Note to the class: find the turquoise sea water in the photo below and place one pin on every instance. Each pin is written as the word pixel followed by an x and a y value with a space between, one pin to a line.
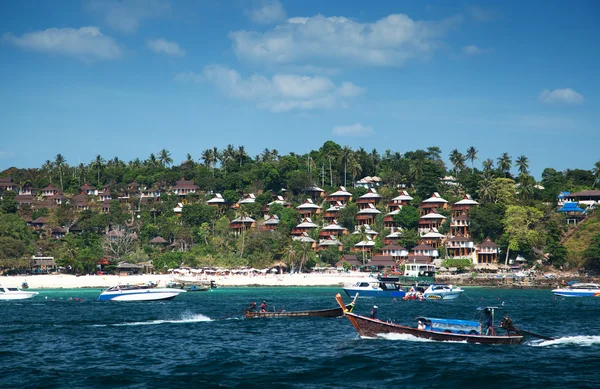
pixel 192 341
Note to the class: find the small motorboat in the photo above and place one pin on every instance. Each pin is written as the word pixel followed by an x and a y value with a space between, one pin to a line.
pixel 449 330
pixel 15 294
pixel 138 293
pixel 376 287
pixel 196 288
pixel 579 289
pixel 442 292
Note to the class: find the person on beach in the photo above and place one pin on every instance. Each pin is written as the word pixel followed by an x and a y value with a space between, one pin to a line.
pixel 373 312
pixel 263 306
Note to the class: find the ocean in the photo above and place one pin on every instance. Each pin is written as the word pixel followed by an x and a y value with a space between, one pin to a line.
pixel 200 339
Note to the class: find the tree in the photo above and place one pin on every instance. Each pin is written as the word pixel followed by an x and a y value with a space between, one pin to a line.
pixel 596 172
pixel 488 165
pixel 523 163
pixel 472 155
pixel 591 255
pixel 502 190
pixel 520 225
pixel 345 156
pixel 119 245
pixel 59 162
pixel 407 217
pixel 486 221
pixel 98 164
pixel 164 156
pixel 458 160
pixel 8 204
pixel 504 164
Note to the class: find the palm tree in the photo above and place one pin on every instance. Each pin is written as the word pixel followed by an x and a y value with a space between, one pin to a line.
pixel 59 162
pixel 345 156
pixel 596 172
pixel 434 153
pixel 523 163
pixel 164 156
pixel 488 165
pixel 207 157
pixel 472 155
pixel 526 186
pixel 152 161
pixel 241 154
pixel 98 163
pixel 416 169
pixel 485 190
pixel 504 163
pixel 215 157
pixel 362 233
pixel 458 160
pixel 47 167
pixel 355 168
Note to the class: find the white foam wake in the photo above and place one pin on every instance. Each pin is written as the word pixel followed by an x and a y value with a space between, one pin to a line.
pixel 404 337
pixel 584 341
pixel 185 318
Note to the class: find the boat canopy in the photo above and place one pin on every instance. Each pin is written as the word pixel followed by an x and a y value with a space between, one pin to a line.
pixel 449 322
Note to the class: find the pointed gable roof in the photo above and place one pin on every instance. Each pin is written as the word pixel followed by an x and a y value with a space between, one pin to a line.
pixel 403 196
pixel 371 194
pixel 341 192
pixel 433 215
pixel 217 199
pixel 185 184
pixel 369 210
pixel 435 198
pixel 306 223
pixel 487 243
pixel 462 216
pixel 308 204
pixel 459 238
pixel 466 200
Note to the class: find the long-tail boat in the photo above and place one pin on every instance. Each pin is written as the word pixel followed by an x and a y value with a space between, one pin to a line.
pixel 333 312
pixel 441 329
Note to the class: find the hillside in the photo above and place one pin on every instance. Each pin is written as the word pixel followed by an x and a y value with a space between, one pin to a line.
pixel 582 238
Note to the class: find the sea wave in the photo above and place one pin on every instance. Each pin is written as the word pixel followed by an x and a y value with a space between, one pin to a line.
pixel 585 341
pixel 185 318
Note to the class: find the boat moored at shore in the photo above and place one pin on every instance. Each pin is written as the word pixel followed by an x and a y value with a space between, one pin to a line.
pixel 579 289
pixel 15 294
pixel 442 292
pixel 376 287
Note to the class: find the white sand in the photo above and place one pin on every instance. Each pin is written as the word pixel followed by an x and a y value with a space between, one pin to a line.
pixel 96 281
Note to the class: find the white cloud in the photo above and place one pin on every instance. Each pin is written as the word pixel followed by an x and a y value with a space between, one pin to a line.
pixel 126 15
pixel 85 43
pixel 6 154
pixel 267 12
pixel 566 96
pixel 473 50
pixel 282 92
pixel 389 41
pixel 356 129
pixel 163 46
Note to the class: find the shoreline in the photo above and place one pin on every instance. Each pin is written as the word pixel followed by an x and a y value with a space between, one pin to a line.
pixel 64 281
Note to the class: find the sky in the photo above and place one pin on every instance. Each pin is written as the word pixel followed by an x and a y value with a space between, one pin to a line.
pixel 128 78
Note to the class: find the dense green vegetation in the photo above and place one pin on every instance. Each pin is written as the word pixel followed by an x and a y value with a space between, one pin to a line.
pixel 514 211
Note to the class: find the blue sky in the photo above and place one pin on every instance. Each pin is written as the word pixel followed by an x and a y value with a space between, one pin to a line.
pixel 128 78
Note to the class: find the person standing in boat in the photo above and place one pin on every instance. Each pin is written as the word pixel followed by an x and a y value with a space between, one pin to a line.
pixel 373 312
pixel 263 306
pixel 252 307
pixel 489 322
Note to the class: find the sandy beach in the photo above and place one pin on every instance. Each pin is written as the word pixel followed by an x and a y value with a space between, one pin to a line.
pixel 64 281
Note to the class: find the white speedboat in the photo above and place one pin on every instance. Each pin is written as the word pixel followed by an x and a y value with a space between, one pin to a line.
pixel 15 294
pixel 579 289
pixel 442 292
pixel 138 293
pixel 376 287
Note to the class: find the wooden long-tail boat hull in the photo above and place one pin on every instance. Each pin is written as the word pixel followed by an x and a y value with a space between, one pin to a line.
pixel 373 328
pixel 334 312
